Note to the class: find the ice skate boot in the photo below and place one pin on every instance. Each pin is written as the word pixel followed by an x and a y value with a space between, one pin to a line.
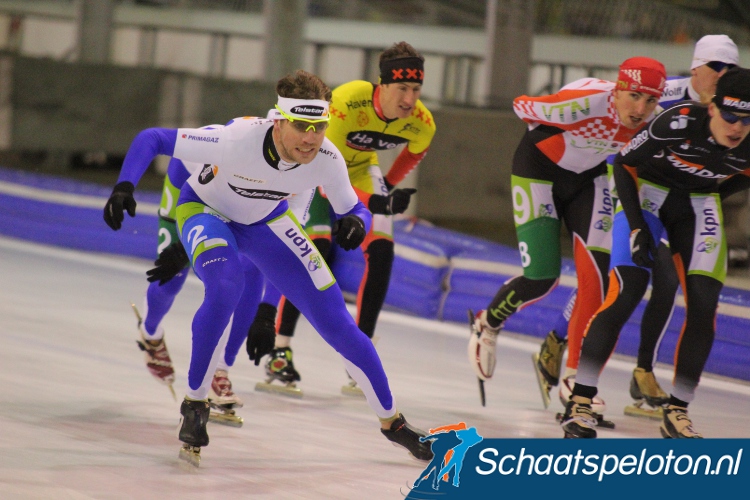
pixel 193 429
pixel 280 369
pixel 547 364
pixel 481 349
pixel 644 389
pixel 223 401
pixel 677 425
pixel 579 420
pixel 155 352
pixel 404 435
pixel 598 406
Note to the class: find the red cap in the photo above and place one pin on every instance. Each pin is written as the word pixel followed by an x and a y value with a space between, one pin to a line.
pixel 642 74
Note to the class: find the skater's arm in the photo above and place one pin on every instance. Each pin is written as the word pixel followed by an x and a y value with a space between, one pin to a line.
pixel 144 148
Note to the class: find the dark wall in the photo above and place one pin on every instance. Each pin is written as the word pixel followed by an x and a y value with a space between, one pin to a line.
pixel 464 181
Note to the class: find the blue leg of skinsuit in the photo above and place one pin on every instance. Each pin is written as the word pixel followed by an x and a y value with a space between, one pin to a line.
pixel 325 309
pixel 244 313
pixel 221 271
pixel 159 299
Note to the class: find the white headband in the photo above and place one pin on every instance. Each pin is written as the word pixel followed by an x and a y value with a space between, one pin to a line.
pixel 308 110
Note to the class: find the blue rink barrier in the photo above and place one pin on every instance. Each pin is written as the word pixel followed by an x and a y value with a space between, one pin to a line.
pixel 437 273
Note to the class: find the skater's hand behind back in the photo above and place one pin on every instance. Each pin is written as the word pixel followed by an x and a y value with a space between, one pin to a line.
pixel 171 261
pixel 260 338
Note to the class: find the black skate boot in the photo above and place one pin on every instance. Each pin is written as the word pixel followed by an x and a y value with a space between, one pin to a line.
pixel 579 420
pixel 645 390
pixel 547 364
pixel 193 429
pixel 677 425
pixel 404 435
pixel 280 368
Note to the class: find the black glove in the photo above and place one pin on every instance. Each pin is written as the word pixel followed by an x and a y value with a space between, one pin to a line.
pixel 395 203
pixel 388 185
pixel 642 247
pixel 262 334
pixel 349 232
pixel 121 198
pixel 171 261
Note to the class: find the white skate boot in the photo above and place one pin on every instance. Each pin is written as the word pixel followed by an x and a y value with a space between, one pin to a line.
pixel 155 352
pixel 482 349
pixel 224 401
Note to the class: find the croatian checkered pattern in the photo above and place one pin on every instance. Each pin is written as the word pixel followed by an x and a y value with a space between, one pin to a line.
pixel 597 129
pixel 586 113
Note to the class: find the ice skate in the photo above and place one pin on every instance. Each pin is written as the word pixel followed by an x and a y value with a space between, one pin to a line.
pixel 598 406
pixel 579 420
pixel 281 378
pixel 193 430
pixel 481 349
pixel 547 364
pixel 404 435
pixel 677 425
pixel 223 401
pixel 645 390
pixel 155 352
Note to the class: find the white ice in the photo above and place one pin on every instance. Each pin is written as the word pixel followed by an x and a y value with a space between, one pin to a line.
pixel 81 418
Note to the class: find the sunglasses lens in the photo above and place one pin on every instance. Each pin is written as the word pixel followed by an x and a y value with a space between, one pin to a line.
pixel 731 118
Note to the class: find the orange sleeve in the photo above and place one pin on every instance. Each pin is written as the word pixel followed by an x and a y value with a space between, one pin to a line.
pixel 363 196
pixel 404 163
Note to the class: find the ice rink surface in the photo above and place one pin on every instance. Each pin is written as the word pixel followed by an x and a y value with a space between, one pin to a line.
pixel 81 418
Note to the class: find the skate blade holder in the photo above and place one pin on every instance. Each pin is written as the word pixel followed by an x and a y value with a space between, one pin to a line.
pixel 544 387
pixel 291 390
pixel 190 454
pixel 637 410
pixel 352 391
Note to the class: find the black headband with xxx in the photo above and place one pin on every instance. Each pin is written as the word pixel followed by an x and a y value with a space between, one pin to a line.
pixel 402 70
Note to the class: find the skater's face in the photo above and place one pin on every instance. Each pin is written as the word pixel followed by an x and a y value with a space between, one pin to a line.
pixel 727 127
pixel 634 108
pixel 298 141
pixel 397 100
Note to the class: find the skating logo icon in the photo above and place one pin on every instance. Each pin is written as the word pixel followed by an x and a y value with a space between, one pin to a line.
pixel 604 224
pixel 708 245
pixel 546 210
pixel 449 445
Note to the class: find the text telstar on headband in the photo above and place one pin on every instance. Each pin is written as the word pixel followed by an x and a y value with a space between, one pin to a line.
pixel 308 110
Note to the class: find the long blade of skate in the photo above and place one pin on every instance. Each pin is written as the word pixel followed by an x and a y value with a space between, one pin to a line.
pixel 190 454
pixel 482 395
pixel 544 387
pixel 232 420
pixel 137 314
pixel 635 410
pixel 352 390
pixel 285 390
